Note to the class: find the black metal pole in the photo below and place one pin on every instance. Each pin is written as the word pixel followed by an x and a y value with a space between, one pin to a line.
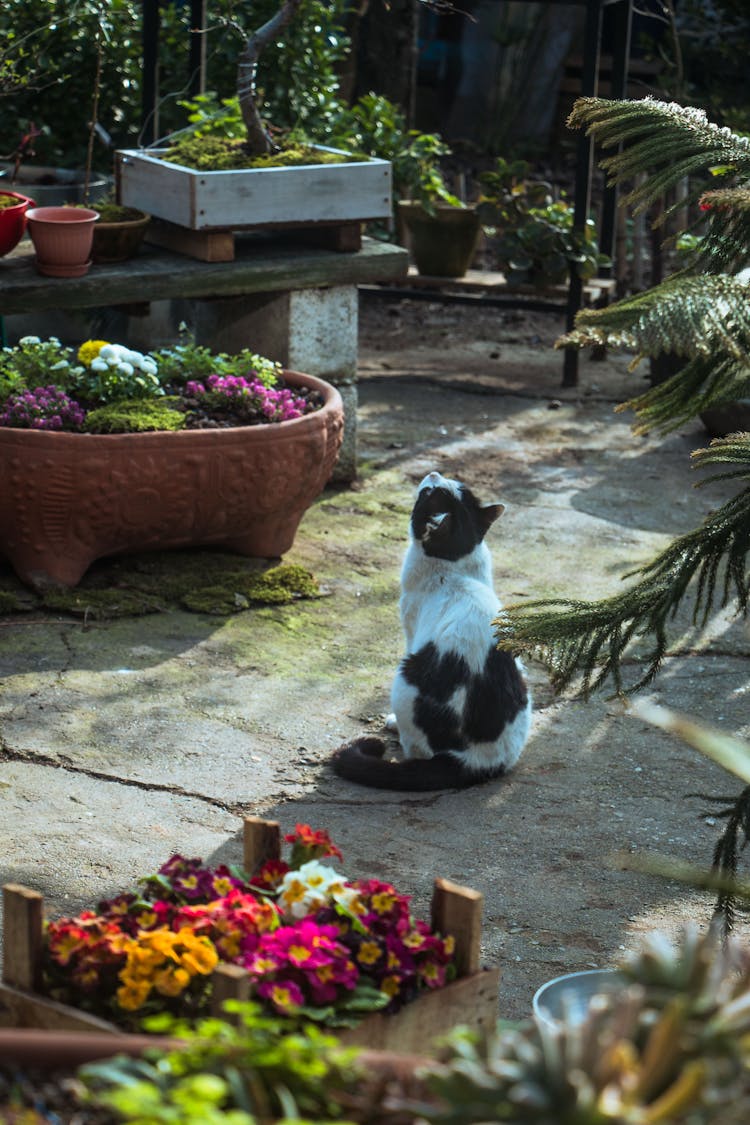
pixel 623 14
pixel 150 86
pixel 592 36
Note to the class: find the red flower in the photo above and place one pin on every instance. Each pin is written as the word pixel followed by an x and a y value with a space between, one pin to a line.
pixel 308 843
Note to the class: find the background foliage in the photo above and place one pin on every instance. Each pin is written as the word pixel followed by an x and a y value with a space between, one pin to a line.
pixel 48 67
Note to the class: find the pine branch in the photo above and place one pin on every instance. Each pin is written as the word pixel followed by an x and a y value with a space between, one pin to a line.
pixel 589 639
pixel 664 140
pixel 670 144
pixel 689 316
pixel 700 384
pixel 706 319
pixel 726 244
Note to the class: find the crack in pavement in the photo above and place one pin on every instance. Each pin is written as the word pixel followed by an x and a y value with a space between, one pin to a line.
pixel 62 763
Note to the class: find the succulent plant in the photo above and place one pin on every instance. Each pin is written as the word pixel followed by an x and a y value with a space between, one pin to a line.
pixel 672 1046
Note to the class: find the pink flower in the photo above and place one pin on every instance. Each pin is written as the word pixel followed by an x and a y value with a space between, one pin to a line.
pixel 284 995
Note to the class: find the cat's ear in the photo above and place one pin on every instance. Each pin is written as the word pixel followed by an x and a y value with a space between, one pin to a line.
pixel 488 513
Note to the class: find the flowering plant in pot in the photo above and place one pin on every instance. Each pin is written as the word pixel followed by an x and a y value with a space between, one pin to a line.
pixel 180 447
pixel 317 945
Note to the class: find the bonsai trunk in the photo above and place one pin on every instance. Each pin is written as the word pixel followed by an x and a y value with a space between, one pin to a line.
pixel 258 140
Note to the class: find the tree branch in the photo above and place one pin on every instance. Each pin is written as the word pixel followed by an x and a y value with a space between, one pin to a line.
pixel 258 141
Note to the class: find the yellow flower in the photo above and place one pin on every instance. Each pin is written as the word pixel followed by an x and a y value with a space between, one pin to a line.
pixel 369 952
pixel 171 982
pixel 200 955
pixel 133 994
pixel 390 985
pixel 89 350
pixel 229 945
pixel 382 902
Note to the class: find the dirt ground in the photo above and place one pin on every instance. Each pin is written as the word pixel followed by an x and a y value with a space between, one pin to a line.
pixel 124 741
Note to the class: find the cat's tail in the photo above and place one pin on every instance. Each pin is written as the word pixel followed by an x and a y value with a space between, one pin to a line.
pixel 362 761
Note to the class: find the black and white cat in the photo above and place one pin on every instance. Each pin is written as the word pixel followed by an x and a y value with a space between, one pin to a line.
pixel 461 707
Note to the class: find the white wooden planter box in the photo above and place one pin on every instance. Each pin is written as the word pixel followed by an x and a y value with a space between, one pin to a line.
pixel 253 197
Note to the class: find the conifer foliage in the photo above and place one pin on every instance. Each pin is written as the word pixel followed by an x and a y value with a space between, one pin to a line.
pixel 703 315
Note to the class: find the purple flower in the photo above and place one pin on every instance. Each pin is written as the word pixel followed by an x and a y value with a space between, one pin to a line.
pixel 272 404
pixel 44 408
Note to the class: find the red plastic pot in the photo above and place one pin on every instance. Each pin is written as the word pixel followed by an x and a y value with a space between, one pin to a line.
pixel 13 221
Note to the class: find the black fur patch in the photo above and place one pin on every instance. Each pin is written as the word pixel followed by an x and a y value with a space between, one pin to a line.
pixel 494 699
pixel 434 674
pixel 460 531
pixel 436 677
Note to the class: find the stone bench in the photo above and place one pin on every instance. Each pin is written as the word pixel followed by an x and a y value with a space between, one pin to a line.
pixel 292 303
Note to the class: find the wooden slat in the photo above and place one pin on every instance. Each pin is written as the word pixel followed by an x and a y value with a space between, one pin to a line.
pixel 261 265
pixel 469 1002
pixel 261 841
pixel 204 245
pixel 24 1009
pixel 228 982
pixel 22 936
pixel 457 911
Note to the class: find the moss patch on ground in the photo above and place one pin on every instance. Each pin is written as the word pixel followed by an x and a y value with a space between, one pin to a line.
pixel 208 582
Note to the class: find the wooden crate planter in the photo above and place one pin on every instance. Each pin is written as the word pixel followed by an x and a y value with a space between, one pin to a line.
pixel 200 211
pixel 471 999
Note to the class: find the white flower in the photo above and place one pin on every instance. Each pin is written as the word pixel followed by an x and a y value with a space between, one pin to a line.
pixel 125 368
pixel 60 365
pixel 99 364
pixel 29 340
pixel 310 888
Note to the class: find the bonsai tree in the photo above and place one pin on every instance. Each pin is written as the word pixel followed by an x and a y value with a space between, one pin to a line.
pixel 703 315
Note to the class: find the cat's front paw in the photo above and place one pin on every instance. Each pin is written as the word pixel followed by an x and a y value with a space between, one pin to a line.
pixel 391 722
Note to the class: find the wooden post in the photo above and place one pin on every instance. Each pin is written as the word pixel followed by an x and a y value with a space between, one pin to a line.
pixel 22 936
pixel 457 911
pixel 261 841
pixel 229 982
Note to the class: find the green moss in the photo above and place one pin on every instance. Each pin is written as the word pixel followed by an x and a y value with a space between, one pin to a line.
pixel 115 213
pixel 135 416
pixel 211 582
pixel 278 586
pixel 102 605
pixel 12 602
pixel 219 154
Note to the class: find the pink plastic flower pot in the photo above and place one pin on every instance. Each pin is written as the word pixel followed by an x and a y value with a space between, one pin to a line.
pixel 62 238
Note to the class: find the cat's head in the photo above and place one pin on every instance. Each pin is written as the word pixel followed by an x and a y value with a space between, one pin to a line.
pixel 448 521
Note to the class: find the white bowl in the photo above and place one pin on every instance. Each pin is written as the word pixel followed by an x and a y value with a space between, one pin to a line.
pixel 567 998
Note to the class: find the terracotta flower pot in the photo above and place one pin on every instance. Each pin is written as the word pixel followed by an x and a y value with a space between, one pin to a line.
pixel 62 238
pixel 72 498
pixel 13 220
pixel 118 241
pixel 442 244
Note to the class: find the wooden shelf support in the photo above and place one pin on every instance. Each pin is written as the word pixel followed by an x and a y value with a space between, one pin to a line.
pixel 261 842
pixel 457 911
pixel 22 936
